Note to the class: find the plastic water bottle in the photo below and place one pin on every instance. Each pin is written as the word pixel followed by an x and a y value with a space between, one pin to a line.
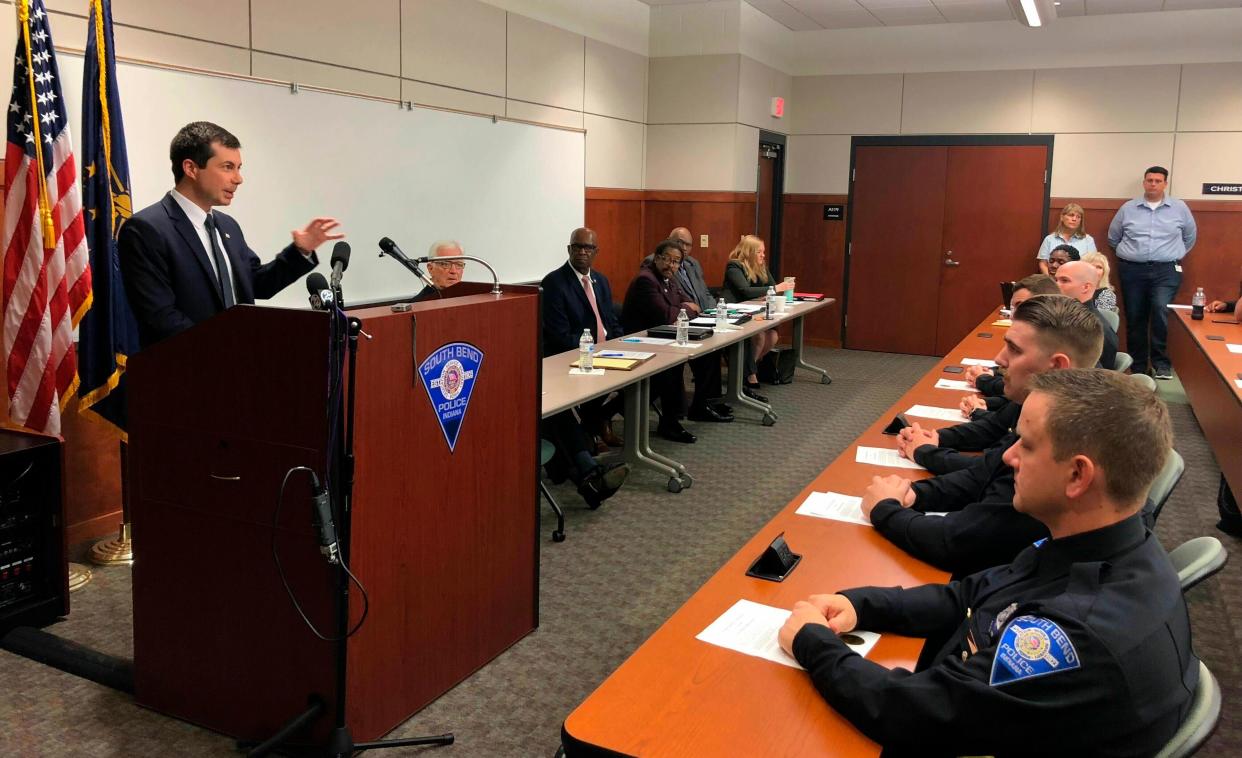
pixel 722 314
pixel 769 304
pixel 1196 304
pixel 683 328
pixel 586 351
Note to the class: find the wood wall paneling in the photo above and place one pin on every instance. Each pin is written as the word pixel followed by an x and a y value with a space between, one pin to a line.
pixel 813 250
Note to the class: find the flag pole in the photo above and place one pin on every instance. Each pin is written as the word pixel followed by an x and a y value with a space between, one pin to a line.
pixel 45 207
pixel 118 550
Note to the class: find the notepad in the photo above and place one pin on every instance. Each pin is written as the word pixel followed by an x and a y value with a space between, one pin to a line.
pixel 1234 348
pixel 709 321
pixel 634 354
pixel 647 340
pixel 884 456
pixel 954 384
pixel 834 506
pixel 978 362
pixel 752 629
pixel 1002 322
pixel 931 411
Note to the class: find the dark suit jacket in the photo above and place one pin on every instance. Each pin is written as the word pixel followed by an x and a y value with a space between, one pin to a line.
pixel 169 280
pixel 566 310
pixel 651 301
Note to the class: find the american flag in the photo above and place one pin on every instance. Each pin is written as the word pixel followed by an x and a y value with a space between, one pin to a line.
pixel 47 277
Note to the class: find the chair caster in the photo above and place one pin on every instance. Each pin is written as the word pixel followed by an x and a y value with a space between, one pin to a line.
pixel 674 484
pixel 825 379
pixel 558 536
pixel 687 481
pixel 768 419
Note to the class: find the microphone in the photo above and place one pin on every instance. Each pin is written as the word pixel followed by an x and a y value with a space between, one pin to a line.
pixel 387 246
pixel 340 262
pixel 320 295
pixel 328 545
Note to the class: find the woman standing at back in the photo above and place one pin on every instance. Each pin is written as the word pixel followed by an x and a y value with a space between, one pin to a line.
pixel 1071 230
pixel 747 277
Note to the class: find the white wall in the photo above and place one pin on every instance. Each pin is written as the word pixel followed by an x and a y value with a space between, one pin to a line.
pixel 561 62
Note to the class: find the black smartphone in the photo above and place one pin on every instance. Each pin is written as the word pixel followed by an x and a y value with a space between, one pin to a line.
pixel 1216 338
pixel 984 335
pixel 1224 321
pixel 953 369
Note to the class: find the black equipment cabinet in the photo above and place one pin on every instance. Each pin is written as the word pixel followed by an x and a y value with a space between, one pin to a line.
pixel 34 576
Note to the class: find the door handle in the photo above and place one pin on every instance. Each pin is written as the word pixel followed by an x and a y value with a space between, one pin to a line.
pixel 951 262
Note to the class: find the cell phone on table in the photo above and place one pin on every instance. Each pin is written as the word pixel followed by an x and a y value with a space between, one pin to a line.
pixel 953 369
pixel 1216 338
pixel 895 426
pixel 1224 321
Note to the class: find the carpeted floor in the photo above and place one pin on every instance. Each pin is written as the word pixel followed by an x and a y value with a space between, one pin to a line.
pixel 621 572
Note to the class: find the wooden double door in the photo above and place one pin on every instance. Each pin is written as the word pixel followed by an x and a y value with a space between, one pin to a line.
pixel 934 229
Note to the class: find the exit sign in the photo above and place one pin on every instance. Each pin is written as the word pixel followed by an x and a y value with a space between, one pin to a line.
pixel 778 107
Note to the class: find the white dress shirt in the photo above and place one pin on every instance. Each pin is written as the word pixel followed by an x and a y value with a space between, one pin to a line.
pixel 198 220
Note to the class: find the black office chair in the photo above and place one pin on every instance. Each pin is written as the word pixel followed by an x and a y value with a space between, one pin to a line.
pixel 546 451
pixel 1166 480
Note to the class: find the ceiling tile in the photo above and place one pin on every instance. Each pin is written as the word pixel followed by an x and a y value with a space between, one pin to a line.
pixel 908 16
pixel 786 15
pixel 974 10
pixel 1100 7
pixel 1067 8
pixel 1190 5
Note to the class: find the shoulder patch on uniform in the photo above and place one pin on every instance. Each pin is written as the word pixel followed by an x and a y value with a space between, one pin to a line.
pixel 1032 646
pixel 1039 542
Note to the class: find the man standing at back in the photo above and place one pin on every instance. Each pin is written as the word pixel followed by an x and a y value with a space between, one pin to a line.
pixel 443 274
pixel 1076 280
pixel 1151 234
pixel 183 262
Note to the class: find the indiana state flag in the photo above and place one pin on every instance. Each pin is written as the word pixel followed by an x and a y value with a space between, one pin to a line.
pixel 108 334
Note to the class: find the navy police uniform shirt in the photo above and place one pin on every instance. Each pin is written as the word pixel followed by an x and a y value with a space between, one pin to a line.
pixel 1080 646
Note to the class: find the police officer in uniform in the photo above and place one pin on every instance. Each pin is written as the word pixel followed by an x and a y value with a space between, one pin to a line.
pixel 1080 646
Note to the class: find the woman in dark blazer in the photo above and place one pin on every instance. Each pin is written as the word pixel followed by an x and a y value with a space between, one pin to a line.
pixel 654 299
pixel 747 277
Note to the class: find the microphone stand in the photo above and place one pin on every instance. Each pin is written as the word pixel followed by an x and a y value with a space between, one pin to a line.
pixel 340 742
pixel 410 266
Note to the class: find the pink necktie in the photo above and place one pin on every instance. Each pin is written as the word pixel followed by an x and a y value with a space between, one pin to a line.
pixel 601 333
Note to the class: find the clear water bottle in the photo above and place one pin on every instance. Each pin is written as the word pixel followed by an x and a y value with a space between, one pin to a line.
pixel 770 303
pixel 586 351
pixel 722 314
pixel 1196 304
pixel 683 328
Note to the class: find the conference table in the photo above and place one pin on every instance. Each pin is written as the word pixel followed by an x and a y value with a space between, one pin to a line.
pixel 1211 373
pixel 563 390
pixel 676 695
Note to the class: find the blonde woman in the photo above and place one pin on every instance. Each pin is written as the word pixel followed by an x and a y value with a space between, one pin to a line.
pixel 1105 295
pixel 1071 230
pixel 747 277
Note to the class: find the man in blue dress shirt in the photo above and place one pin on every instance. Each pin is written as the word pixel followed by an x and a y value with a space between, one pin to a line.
pixel 1151 234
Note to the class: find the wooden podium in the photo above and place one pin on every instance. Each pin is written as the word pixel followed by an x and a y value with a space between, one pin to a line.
pixel 445 541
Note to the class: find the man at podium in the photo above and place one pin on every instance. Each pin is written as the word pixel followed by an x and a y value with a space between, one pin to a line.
pixel 183 262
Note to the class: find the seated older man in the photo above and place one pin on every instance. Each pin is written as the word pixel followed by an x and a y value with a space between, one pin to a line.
pixel 443 274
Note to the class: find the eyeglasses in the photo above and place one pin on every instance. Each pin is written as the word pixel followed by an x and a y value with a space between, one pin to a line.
pixel 580 246
pixel 458 265
pixel 674 262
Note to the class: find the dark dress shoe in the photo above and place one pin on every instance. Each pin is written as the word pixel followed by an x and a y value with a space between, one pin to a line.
pixel 677 434
pixel 748 392
pixel 707 413
pixel 723 409
pixel 602 483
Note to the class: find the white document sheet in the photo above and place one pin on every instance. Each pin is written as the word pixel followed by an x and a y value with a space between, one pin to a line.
pixel 745 307
pixel 1238 382
pixel 1179 307
pixel 954 384
pixel 1234 348
pixel 647 340
pixel 710 321
pixel 978 362
pixel 752 628
pixel 835 506
pixel 631 354
pixel 931 411
pixel 884 456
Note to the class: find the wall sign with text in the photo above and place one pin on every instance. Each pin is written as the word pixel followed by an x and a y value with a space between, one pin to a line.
pixel 834 212
pixel 1222 188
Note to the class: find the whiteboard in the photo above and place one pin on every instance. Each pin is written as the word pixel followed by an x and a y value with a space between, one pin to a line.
pixel 511 193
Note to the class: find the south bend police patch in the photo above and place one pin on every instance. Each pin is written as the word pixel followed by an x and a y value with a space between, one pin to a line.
pixel 449 375
pixel 1032 646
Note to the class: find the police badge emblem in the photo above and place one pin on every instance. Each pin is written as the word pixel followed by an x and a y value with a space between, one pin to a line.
pixel 1030 647
pixel 449 376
